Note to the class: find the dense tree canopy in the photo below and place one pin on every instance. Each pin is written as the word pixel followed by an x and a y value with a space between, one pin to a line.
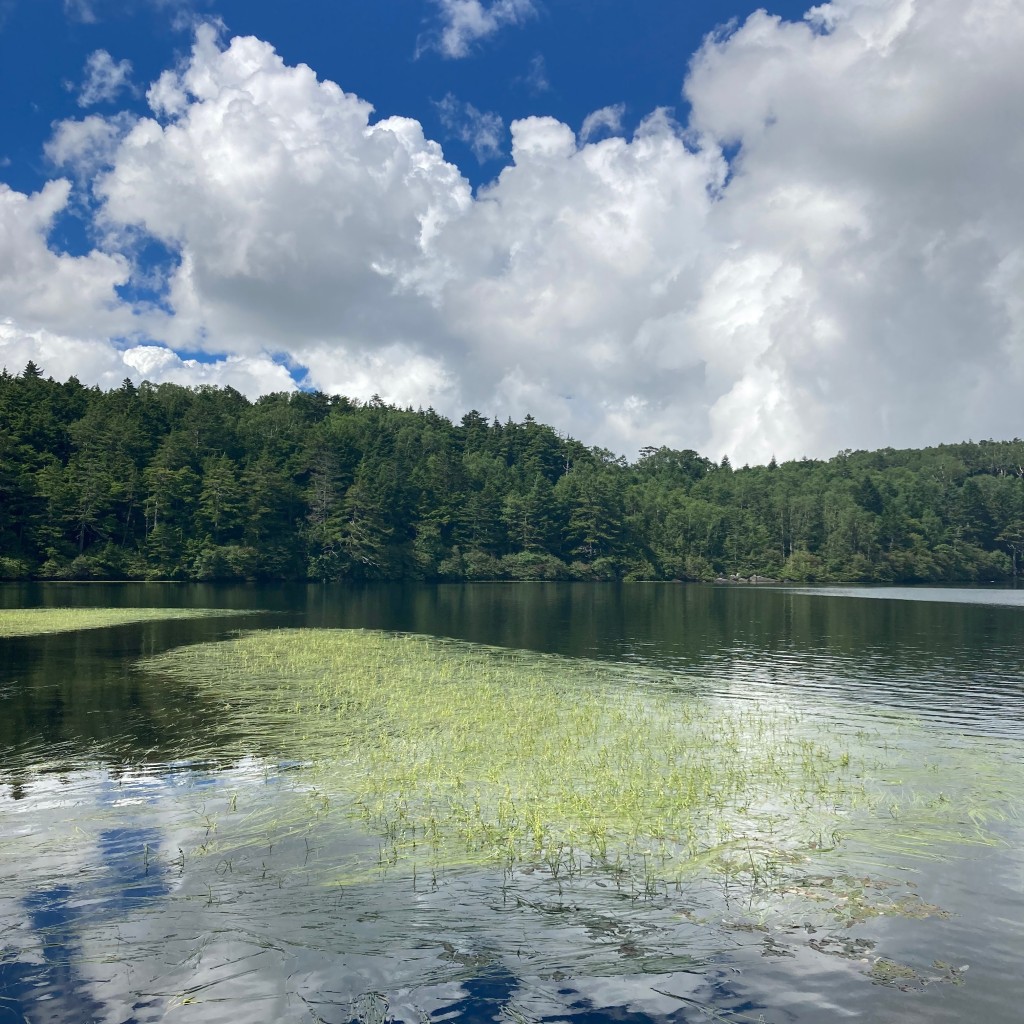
pixel 168 482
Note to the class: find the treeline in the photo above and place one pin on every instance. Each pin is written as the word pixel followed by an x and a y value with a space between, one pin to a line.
pixel 169 482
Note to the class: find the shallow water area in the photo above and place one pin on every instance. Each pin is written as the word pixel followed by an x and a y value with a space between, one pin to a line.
pixel 167 903
pixel 176 861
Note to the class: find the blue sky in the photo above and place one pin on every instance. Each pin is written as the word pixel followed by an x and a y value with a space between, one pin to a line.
pixel 749 232
pixel 566 58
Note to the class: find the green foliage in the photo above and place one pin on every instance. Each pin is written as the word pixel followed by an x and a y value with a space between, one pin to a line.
pixel 532 565
pixel 169 482
pixel 803 567
pixel 14 569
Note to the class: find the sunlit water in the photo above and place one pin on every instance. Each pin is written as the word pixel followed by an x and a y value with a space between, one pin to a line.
pixel 143 877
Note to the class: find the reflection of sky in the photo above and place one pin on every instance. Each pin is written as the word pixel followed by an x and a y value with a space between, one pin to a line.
pixel 94 929
pixel 75 865
pixel 944 595
pixel 56 919
pixel 105 925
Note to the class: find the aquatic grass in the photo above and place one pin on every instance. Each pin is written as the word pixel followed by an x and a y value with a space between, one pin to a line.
pixel 438 807
pixel 37 621
pixel 247 855
pixel 455 754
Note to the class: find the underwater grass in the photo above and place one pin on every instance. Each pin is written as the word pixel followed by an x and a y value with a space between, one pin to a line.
pixel 631 816
pixel 454 754
pixel 36 621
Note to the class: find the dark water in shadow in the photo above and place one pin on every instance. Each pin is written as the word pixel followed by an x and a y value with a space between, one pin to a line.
pixel 101 931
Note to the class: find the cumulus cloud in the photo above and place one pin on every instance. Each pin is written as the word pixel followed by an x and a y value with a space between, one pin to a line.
pixel 850 277
pixel 484 133
pixel 100 361
pixel 105 79
pixel 607 119
pixel 397 373
pixel 252 375
pixel 92 360
pixel 466 22
pixel 86 146
pixel 872 226
pixel 43 288
pixel 166 97
pixel 297 220
pixel 581 259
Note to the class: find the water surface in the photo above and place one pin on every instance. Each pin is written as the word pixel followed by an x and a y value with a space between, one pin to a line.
pixel 111 784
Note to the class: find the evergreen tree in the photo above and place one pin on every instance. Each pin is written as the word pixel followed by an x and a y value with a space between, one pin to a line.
pixel 165 480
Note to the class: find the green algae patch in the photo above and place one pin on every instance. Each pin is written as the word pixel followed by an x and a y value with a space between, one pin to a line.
pixel 452 754
pixel 37 621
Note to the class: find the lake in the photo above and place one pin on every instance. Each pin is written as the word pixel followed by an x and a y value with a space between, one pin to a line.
pixel 186 834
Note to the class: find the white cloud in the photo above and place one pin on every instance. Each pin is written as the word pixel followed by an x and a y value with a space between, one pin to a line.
pixel 854 279
pixel 80 10
pixel 64 312
pixel 88 145
pixel 93 361
pixel 43 288
pixel 100 361
pixel 466 22
pixel 105 79
pixel 484 133
pixel 297 220
pixel 251 375
pixel 536 79
pixel 574 266
pixel 608 119
pixel 397 373
pixel 166 97
pixel 876 194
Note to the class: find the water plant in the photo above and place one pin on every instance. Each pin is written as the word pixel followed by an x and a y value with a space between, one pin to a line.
pixel 35 621
pixel 456 754
pixel 447 809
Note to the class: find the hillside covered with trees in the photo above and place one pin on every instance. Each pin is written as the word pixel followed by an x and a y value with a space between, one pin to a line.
pixel 169 482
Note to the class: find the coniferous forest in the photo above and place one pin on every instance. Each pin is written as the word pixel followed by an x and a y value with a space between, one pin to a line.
pixel 170 482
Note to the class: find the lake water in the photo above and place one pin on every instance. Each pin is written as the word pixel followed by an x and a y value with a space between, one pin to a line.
pixel 133 888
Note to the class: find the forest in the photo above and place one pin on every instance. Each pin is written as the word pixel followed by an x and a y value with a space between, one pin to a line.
pixel 165 482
